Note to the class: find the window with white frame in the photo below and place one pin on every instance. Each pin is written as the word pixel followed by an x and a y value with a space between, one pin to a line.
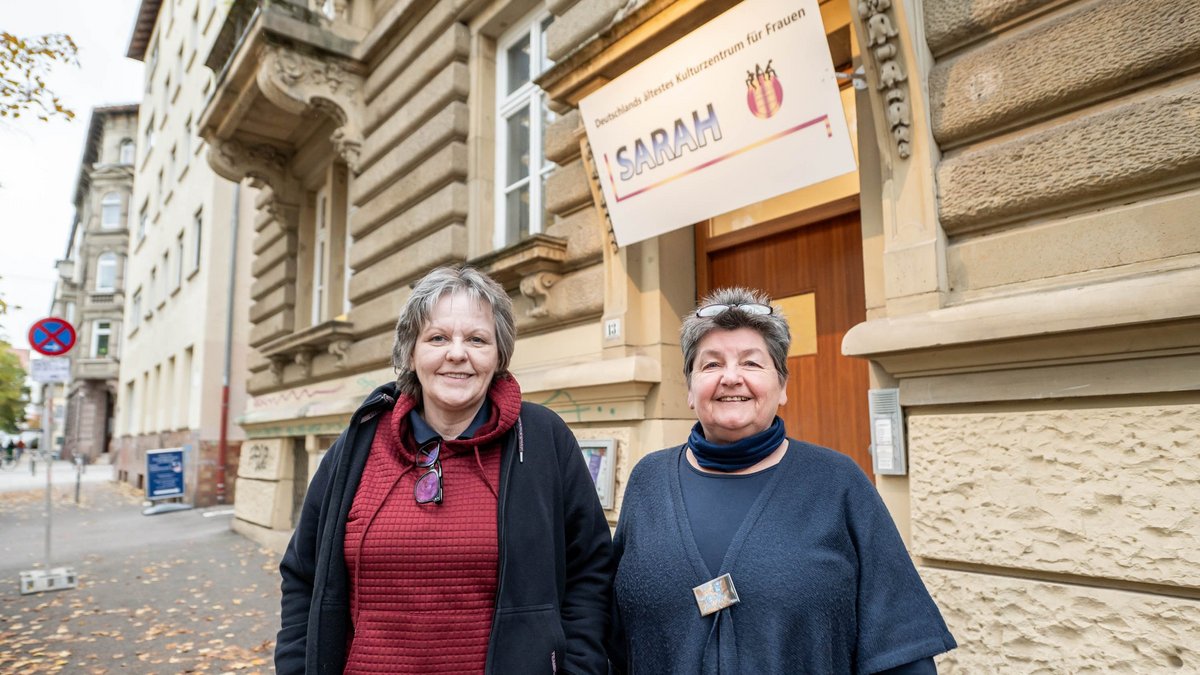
pixel 197 238
pixel 143 217
pixel 110 211
pixel 135 318
pixel 187 142
pixel 521 118
pixel 178 261
pixel 320 281
pixel 101 334
pixel 128 148
pixel 150 134
pixel 194 30
pixel 151 65
pixel 106 273
pixel 166 262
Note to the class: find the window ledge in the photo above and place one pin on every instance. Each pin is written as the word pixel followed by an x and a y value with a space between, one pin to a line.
pixel 194 272
pixel 509 265
pixel 533 265
pixel 334 337
pixel 175 291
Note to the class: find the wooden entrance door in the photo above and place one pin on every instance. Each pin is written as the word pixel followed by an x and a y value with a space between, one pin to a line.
pixel 815 269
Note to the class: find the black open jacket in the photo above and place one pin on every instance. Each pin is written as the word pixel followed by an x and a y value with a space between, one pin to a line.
pixel 555 568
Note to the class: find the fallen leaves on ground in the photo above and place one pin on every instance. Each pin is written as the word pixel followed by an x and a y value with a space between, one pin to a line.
pixel 208 607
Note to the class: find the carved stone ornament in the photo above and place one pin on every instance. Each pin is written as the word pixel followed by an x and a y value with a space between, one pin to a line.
pixel 881 38
pixel 235 160
pixel 277 365
pixel 299 82
pixel 266 165
pixel 879 29
pixel 536 287
pixel 339 348
pixel 303 359
pixel 593 175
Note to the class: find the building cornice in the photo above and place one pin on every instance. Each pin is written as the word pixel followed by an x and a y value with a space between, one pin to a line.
pixel 143 28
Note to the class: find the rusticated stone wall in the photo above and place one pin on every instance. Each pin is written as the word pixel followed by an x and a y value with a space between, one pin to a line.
pixel 1044 627
pixel 1053 119
pixel 1057 528
pixel 1110 493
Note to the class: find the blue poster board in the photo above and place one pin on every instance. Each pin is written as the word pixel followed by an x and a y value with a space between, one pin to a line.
pixel 164 473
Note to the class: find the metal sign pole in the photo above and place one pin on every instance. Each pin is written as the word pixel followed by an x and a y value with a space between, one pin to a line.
pixel 49 465
pixel 49 372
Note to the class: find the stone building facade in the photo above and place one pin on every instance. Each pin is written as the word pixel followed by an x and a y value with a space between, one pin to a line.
pixel 1040 315
pixel 189 267
pixel 1016 255
pixel 90 291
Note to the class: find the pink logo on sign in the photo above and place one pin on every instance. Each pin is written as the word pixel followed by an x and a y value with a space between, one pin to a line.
pixel 764 92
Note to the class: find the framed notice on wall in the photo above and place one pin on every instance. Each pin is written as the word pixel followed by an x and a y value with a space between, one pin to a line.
pixel 601 456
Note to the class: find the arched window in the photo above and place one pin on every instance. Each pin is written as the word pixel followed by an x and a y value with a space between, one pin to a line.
pixel 110 211
pixel 127 150
pixel 106 273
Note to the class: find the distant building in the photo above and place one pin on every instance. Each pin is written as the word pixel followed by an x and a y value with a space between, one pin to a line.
pixel 90 292
pixel 181 264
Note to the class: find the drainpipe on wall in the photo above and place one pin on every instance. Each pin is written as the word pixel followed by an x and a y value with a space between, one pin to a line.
pixel 223 442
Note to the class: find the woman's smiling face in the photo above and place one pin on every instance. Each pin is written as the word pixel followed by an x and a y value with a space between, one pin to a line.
pixel 455 357
pixel 735 390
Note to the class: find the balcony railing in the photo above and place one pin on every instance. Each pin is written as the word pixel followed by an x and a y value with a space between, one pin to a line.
pixel 322 14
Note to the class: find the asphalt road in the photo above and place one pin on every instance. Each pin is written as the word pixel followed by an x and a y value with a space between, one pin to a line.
pixel 170 593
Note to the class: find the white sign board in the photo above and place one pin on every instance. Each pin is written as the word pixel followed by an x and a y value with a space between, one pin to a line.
pixel 57 369
pixel 742 109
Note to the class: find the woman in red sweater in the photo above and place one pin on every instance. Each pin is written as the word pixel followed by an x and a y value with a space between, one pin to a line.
pixel 451 528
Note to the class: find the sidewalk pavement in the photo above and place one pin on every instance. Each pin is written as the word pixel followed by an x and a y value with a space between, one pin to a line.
pixel 171 593
pixel 21 478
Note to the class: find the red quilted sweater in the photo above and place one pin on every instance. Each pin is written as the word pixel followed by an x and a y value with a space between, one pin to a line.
pixel 423 576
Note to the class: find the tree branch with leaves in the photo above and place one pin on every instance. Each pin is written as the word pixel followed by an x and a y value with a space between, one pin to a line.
pixel 24 65
pixel 14 395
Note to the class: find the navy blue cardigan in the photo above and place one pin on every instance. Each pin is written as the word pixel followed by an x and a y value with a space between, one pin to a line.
pixel 825 582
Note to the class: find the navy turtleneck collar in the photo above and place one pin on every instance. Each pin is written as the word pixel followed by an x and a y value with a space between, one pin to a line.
pixel 738 455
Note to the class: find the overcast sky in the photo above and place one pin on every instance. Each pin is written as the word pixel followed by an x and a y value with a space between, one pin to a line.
pixel 39 161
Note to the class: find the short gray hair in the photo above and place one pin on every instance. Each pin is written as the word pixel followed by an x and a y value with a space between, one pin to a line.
pixel 772 327
pixel 419 308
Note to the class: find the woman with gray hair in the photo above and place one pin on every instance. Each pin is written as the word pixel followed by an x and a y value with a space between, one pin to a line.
pixel 451 528
pixel 745 551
